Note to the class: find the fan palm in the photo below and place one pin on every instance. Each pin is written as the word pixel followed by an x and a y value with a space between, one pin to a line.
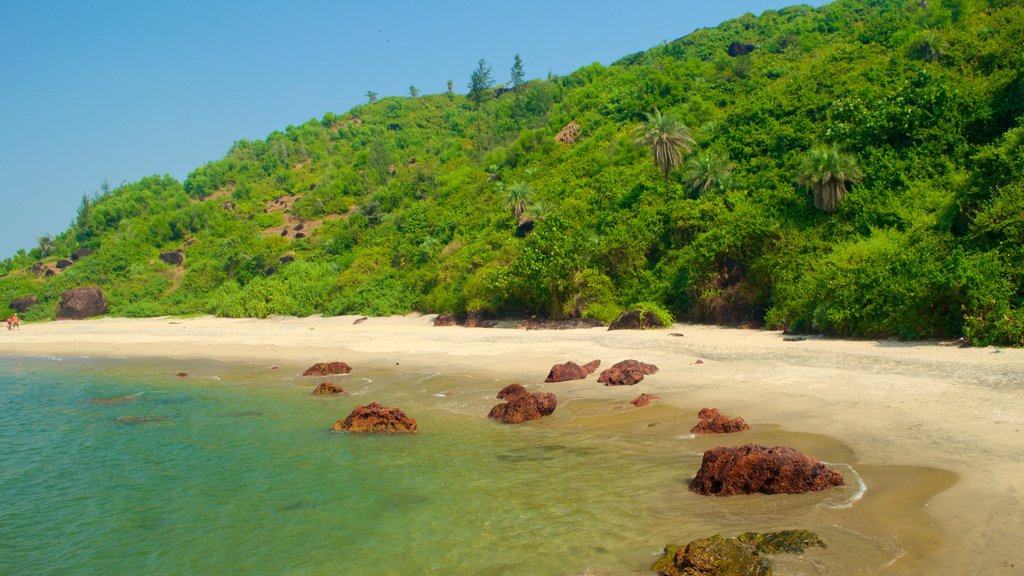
pixel 709 171
pixel 517 197
pixel 667 139
pixel 825 171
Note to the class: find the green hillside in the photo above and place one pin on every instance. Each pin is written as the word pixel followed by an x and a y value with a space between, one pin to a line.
pixel 456 203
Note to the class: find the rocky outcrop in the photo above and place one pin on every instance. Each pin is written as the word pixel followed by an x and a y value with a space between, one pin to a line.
pixel 326 388
pixel 376 418
pixel 445 320
pixel 713 422
pixel 21 305
pixel 626 373
pixel 63 263
pixel 571 371
pixel 752 468
pixel 643 400
pixel 569 134
pixel 636 320
pixel 478 319
pixel 327 368
pixel 81 303
pixel 80 253
pixel 522 405
pixel 738 48
pixel 740 556
pixel 174 258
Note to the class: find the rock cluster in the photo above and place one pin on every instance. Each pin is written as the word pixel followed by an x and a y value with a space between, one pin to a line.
pixel 522 405
pixel 636 320
pixel 721 556
pixel 752 468
pixel 325 388
pixel 376 418
pixel 626 373
pixel 327 368
pixel 571 371
pixel 80 303
pixel 713 422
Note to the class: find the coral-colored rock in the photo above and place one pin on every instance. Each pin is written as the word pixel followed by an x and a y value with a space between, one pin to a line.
pixel 325 388
pixel 378 419
pixel 713 422
pixel 626 373
pixel 571 371
pixel 521 405
pixel 752 468
pixel 327 368
pixel 512 390
pixel 643 400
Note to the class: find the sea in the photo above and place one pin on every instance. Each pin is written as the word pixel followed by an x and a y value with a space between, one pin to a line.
pixel 120 466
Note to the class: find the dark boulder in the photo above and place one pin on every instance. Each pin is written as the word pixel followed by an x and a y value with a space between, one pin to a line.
pixel 80 253
pixel 376 418
pixel 325 388
pixel 713 422
pixel 571 371
pixel 81 303
pixel 525 227
pixel 174 258
pixel 626 373
pixel 636 320
pixel 738 48
pixel 63 263
pixel 327 368
pixel 521 405
pixel 479 319
pixel 286 259
pixel 752 468
pixel 445 320
pixel 21 305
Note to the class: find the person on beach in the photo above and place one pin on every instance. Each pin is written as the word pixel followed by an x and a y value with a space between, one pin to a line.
pixel 10 323
pixel 16 322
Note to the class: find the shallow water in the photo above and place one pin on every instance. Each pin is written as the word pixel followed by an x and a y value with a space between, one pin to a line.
pixel 117 466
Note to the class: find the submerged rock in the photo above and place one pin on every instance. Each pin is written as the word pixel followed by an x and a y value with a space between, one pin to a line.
pixel 785 541
pixel 117 400
pixel 325 388
pixel 740 556
pixel 571 371
pixel 376 418
pixel 626 373
pixel 327 368
pixel 752 468
pixel 522 405
pixel 80 303
pixel 141 419
pixel 713 422
pixel 643 400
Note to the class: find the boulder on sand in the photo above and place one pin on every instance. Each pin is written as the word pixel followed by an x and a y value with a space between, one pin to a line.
pixel 713 422
pixel 376 418
pixel 79 303
pixel 752 468
pixel 521 405
pixel 626 373
pixel 327 368
pixel 571 371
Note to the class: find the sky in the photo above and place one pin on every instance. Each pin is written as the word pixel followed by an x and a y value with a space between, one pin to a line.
pixel 113 91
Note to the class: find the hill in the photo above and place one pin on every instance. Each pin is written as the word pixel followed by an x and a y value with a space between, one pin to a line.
pixel 539 199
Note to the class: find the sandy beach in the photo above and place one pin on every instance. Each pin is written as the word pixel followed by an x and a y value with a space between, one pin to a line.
pixel 893 404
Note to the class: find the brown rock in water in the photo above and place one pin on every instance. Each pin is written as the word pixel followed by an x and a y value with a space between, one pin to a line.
pixel 81 303
pixel 714 556
pixel 445 320
pixel 636 320
pixel 327 368
pixel 325 388
pixel 752 468
pixel 713 422
pixel 376 418
pixel 511 391
pixel 626 373
pixel 643 400
pixel 522 405
pixel 20 305
pixel 182 374
pixel 571 371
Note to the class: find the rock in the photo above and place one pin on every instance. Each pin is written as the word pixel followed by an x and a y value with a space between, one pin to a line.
pixel 522 405
pixel 713 422
pixel 63 263
pixel 525 227
pixel 81 303
pixel 571 371
pixel 327 368
pixel 677 334
pixel 287 258
pixel 698 361
pixel 359 320
pixel 325 388
pixel 117 400
pixel 376 418
pixel 80 253
pixel 174 258
pixel 445 320
pixel 567 324
pixel 794 339
pixel 21 305
pixel 140 419
pixel 49 272
pixel 569 134
pixel 752 468
pixel 714 556
pixel 785 541
pixel 643 400
pixel 626 373
pixel 738 48
pixel 478 319
pixel 37 267
pixel 636 320
pixel 181 374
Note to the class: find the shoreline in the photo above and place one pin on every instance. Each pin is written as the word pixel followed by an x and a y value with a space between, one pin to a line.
pixel 893 403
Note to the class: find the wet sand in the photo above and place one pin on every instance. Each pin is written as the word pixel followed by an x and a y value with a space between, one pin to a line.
pixel 935 431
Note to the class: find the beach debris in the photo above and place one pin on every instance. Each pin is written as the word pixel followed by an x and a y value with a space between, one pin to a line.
pixel 79 303
pixel 327 368
pixel 181 374
pixel 571 371
pixel 752 468
pixel 117 400
pixel 522 405
pixel 325 388
pixel 626 373
pixel 141 419
pixel 713 422
pixel 360 320
pixel 643 400
pixel 740 556
pixel 636 320
pixel 376 418
pixel 445 320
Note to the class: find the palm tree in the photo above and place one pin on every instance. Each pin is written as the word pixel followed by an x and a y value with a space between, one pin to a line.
pixel 709 171
pixel 825 171
pixel 667 140
pixel 517 198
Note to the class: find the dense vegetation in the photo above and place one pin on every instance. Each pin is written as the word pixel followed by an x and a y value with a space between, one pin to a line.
pixel 859 172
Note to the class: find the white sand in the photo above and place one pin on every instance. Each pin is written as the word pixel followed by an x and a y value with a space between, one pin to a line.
pixel 893 403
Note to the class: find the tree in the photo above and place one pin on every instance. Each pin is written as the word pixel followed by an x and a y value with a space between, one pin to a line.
pixel 667 139
pixel 480 82
pixel 516 79
pixel 825 171
pixel 414 92
pixel 708 172
pixel 451 86
pixel 517 198
pixel 371 96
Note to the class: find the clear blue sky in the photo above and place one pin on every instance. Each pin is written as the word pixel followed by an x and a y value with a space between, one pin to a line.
pixel 118 90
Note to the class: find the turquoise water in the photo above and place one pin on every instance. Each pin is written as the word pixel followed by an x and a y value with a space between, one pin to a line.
pixel 119 467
